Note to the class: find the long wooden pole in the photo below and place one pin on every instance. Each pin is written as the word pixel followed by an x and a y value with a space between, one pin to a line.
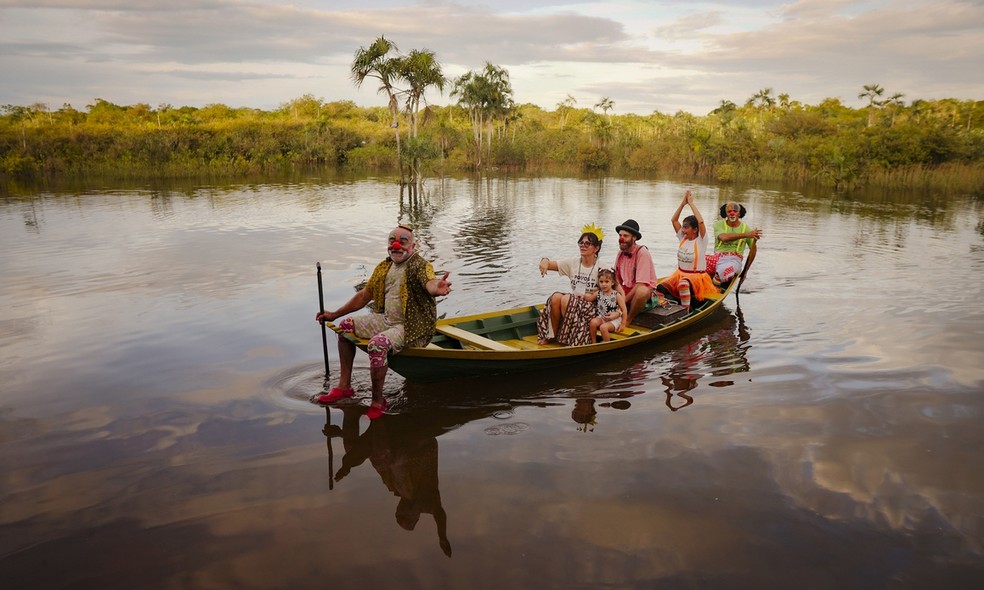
pixel 324 345
pixel 748 265
pixel 324 329
pixel 331 451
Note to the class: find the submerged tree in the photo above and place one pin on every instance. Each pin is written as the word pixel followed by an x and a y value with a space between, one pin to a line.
pixel 419 70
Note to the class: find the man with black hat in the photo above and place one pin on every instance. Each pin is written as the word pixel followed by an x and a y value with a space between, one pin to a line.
pixel 634 270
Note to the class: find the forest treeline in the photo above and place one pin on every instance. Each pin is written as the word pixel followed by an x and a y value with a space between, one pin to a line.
pixel 926 143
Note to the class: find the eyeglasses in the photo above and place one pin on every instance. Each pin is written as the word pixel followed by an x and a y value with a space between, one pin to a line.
pixel 585 243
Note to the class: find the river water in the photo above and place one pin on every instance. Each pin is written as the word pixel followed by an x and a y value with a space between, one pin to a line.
pixel 158 351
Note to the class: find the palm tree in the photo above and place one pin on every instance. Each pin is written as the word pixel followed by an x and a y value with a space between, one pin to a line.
pixel 784 101
pixel 374 63
pixel 872 92
pixel 726 111
pixel 761 99
pixel 564 107
pixel 605 104
pixel 894 103
pixel 420 70
pixel 487 96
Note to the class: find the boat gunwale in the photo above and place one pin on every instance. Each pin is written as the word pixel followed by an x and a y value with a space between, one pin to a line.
pixel 545 353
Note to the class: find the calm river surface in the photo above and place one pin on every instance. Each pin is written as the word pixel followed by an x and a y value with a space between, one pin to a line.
pixel 158 350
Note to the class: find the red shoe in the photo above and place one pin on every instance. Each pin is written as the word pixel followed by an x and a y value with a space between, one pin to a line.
pixel 375 411
pixel 334 395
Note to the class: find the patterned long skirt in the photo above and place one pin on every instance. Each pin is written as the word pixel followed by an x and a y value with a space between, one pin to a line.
pixel 573 329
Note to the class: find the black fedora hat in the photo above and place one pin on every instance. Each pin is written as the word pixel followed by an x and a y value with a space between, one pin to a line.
pixel 631 226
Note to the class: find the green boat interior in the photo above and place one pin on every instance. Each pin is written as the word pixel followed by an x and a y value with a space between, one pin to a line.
pixel 517 329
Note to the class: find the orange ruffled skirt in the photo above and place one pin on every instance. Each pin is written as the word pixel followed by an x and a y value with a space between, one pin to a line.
pixel 701 284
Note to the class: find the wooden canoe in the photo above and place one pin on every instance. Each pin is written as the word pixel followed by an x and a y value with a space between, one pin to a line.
pixel 505 341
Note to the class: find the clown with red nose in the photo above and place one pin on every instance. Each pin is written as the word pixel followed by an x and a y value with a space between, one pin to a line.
pixel 402 289
pixel 732 237
pixel 401 245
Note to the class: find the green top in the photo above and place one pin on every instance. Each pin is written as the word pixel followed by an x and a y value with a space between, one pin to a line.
pixel 739 246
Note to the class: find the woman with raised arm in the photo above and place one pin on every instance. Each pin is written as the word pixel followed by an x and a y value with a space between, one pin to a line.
pixel 689 284
pixel 565 316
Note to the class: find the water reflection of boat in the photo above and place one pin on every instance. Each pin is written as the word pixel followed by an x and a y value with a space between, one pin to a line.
pixel 505 341
pixel 723 351
pixel 403 451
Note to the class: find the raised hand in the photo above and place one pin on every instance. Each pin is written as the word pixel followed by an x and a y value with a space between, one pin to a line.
pixel 444 285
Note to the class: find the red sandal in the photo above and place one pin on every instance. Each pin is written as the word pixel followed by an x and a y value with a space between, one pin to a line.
pixel 334 395
pixel 376 411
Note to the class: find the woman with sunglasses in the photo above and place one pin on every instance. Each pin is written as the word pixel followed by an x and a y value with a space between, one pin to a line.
pixel 565 316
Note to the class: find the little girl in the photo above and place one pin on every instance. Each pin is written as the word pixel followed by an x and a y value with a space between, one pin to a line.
pixel 611 307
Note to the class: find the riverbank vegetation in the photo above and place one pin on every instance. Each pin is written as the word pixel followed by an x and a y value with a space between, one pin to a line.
pixel 936 144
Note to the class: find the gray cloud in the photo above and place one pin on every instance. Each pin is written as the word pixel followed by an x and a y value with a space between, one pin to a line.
pixel 689 57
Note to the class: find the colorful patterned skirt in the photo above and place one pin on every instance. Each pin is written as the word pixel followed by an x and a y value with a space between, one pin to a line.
pixel 573 330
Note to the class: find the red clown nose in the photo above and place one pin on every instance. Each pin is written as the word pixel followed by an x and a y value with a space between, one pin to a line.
pixel 396 245
pixel 622 240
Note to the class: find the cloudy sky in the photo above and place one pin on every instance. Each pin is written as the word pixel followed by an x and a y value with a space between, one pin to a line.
pixel 645 55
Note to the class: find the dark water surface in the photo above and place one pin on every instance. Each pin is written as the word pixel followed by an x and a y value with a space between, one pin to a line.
pixel 158 349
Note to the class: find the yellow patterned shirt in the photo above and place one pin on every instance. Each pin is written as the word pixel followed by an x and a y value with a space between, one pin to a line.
pixel 419 308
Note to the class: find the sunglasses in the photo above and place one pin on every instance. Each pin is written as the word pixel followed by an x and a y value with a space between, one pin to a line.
pixel 585 243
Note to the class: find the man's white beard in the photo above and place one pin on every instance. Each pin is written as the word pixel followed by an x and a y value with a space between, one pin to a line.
pixel 406 256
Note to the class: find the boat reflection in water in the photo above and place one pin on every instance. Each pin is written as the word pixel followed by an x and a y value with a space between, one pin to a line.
pixel 403 449
pixel 723 352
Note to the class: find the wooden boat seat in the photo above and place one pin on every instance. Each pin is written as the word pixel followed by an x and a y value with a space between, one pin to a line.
pixel 509 327
pixel 473 339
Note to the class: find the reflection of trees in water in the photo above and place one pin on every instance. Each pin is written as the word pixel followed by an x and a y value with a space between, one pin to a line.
pixel 884 210
pixel 482 239
pixel 724 352
pixel 404 452
pixel 31 221
pixel 419 209
pixel 161 204
pixel 416 210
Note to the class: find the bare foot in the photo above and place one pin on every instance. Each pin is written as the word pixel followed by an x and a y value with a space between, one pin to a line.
pixel 544 341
